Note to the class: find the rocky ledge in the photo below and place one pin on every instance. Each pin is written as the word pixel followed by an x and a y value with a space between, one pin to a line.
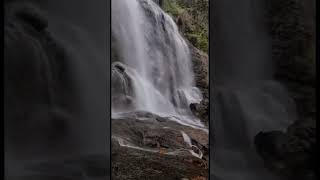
pixel 147 146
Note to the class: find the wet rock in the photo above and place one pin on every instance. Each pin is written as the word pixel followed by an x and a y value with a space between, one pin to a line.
pixel 201 71
pixel 147 130
pixel 201 111
pixel 200 63
pixel 159 2
pixel 121 87
pixel 155 147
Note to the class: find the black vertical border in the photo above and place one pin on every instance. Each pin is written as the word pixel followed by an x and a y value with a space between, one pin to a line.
pixel 3 97
pixel 316 27
pixel 110 77
pixel 209 88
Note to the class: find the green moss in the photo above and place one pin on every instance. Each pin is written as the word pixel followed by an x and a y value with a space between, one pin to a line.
pixel 198 40
pixel 203 43
pixel 194 16
pixel 172 8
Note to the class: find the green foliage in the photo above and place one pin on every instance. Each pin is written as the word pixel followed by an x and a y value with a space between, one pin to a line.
pixel 172 8
pixel 194 16
pixel 198 40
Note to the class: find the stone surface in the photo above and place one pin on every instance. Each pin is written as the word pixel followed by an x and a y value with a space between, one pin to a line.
pixel 147 146
pixel 200 62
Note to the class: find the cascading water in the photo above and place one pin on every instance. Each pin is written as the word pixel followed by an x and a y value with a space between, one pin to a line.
pixel 155 73
pixel 245 98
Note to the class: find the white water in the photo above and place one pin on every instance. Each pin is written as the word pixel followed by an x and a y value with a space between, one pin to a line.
pixel 125 143
pixel 156 59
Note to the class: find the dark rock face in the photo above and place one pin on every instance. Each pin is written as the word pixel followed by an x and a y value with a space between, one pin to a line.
pixel 147 146
pixel 201 71
pixel 200 62
pixel 292 28
pixel 121 87
pixel 159 2
pixel 201 110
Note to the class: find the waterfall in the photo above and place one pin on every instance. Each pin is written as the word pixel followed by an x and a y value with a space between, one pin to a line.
pixel 156 68
pixel 246 99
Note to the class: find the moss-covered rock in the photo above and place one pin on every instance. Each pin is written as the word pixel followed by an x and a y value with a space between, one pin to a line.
pixel 192 18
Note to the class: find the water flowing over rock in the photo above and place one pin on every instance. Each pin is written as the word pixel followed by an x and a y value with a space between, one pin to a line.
pixel 153 86
pixel 156 60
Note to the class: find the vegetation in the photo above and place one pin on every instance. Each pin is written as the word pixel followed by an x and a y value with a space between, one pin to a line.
pixel 173 8
pixel 192 19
